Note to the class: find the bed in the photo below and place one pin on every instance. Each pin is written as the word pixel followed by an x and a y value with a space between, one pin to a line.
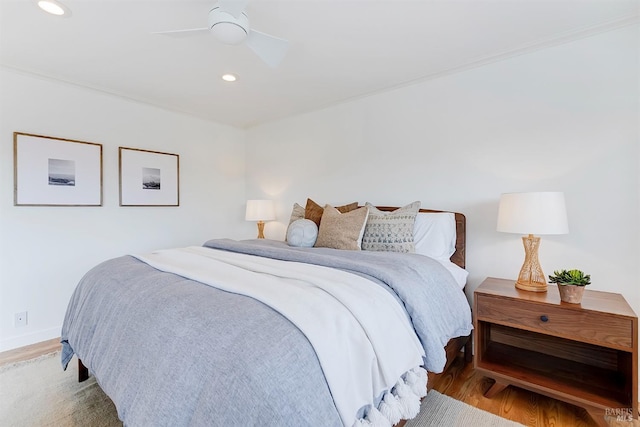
pixel 260 332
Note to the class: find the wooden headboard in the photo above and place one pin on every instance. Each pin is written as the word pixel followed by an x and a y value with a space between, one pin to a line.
pixel 459 255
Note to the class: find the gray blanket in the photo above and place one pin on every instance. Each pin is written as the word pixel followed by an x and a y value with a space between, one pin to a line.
pixel 173 352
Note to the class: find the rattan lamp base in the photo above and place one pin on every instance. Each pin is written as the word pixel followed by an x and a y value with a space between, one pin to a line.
pixel 260 229
pixel 531 277
pixel 532 287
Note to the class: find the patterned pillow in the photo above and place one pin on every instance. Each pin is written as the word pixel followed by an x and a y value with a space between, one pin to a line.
pixel 341 230
pixel 313 211
pixel 390 231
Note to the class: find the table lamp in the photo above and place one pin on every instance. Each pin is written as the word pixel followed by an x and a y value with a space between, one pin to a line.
pixel 532 213
pixel 261 211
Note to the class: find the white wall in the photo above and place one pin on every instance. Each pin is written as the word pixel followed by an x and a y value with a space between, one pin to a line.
pixel 44 251
pixel 564 118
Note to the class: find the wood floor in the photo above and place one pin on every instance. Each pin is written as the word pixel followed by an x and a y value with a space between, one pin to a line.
pixel 460 382
pixel 30 351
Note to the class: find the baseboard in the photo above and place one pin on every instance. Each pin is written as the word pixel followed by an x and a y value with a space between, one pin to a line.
pixel 28 339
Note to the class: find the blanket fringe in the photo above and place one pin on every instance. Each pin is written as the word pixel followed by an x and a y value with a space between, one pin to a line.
pixel 391 408
pixel 401 402
pixel 417 380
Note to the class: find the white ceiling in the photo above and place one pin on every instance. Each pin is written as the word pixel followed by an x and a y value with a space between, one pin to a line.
pixel 339 49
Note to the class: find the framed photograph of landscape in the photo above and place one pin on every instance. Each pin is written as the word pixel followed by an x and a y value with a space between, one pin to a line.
pixel 149 178
pixel 50 171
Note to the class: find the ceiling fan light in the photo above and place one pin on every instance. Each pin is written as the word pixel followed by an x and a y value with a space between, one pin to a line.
pixel 227 28
pixel 229 32
pixel 53 7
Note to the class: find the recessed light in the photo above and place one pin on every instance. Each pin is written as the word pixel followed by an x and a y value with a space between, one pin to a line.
pixel 54 7
pixel 229 78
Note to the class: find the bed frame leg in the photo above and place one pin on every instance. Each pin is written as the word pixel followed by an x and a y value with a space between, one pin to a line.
pixel 468 349
pixel 83 372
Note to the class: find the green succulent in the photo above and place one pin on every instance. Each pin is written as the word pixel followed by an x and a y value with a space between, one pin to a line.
pixel 570 277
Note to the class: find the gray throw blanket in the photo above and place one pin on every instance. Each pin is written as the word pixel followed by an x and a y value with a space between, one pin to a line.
pixel 171 351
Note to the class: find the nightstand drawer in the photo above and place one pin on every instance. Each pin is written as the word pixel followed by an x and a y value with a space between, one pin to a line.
pixel 587 326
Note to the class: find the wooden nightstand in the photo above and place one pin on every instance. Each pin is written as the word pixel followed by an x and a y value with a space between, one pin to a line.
pixel 584 354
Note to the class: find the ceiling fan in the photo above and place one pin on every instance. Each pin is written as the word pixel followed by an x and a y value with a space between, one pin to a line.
pixel 229 22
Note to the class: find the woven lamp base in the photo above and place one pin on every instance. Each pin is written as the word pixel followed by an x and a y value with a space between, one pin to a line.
pixel 532 287
pixel 531 277
pixel 260 229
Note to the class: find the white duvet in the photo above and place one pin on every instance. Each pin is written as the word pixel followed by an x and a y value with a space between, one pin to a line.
pixel 362 336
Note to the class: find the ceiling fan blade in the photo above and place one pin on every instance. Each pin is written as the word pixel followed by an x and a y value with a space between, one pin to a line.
pixel 184 33
pixel 234 7
pixel 270 49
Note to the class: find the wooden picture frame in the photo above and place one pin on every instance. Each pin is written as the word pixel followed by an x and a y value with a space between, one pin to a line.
pixel 148 178
pixel 50 171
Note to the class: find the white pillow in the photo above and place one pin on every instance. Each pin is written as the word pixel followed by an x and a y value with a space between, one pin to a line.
pixel 459 274
pixel 302 233
pixel 434 234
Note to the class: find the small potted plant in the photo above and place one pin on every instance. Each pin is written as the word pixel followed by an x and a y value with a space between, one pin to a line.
pixel 571 284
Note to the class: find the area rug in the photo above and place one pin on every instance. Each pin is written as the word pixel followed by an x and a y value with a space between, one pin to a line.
pixel 441 410
pixel 39 393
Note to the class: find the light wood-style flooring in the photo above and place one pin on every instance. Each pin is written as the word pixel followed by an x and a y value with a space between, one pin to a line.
pixel 30 351
pixel 460 382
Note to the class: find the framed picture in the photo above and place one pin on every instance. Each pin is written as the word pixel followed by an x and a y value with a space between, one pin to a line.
pixel 50 171
pixel 149 178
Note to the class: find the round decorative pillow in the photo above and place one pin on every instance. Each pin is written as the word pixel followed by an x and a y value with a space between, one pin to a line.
pixel 302 233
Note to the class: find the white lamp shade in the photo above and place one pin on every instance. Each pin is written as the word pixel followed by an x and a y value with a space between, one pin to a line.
pixel 260 210
pixel 533 213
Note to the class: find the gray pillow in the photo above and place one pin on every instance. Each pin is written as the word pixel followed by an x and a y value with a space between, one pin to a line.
pixel 390 231
pixel 296 213
pixel 302 233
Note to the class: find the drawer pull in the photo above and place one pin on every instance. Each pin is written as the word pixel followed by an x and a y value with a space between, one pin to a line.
pixel 544 318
